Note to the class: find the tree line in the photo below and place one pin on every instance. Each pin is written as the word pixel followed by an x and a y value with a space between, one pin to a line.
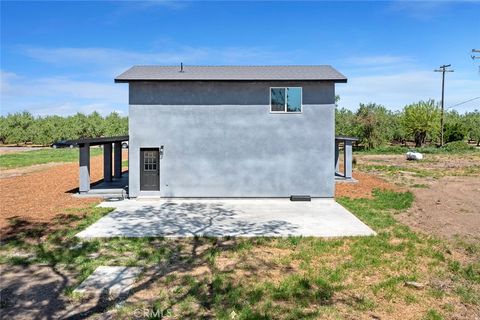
pixel 23 127
pixel 419 122
pixel 372 123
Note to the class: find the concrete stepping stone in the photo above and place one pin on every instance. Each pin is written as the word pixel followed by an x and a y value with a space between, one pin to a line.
pixel 111 281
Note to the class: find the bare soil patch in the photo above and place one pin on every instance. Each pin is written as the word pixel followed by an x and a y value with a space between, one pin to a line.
pixel 446 189
pixel 37 292
pixel 13 149
pixel 364 187
pixel 39 196
pixel 450 206
pixel 397 169
pixel 9 173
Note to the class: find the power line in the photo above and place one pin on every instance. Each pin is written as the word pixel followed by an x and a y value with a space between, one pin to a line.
pixel 455 105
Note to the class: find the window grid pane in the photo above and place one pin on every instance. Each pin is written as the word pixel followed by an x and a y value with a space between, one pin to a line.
pixel 150 161
pixel 294 99
pixel 277 99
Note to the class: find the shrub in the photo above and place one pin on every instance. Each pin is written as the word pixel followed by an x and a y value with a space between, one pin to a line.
pixel 454 132
pixel 457 146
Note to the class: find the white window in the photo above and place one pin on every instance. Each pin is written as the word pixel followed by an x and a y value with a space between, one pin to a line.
pixel 286 100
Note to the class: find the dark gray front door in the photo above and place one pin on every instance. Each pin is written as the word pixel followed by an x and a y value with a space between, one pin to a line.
pixel 149 169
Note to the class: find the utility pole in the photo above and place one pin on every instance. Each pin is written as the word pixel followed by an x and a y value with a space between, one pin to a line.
pixel 473 56
pixel 442 69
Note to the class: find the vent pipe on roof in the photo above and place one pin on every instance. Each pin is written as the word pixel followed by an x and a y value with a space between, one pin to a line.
pixel 181 66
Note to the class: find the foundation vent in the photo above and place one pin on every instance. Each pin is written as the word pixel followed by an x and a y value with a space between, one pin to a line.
pixel 300 198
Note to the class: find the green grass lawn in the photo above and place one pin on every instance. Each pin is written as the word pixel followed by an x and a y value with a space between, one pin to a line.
pixel 28 158
pixel 274 278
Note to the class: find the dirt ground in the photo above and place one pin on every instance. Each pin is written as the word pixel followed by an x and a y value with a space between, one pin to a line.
pixel 8 173
pixel 446 189
pixel 38 292
pixel 40 193
pixel 12 149
pixel 448 207
pixel 31 292
pixel 363 188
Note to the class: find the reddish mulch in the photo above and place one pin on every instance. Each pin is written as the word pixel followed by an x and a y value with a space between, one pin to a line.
pixel 364 187
pixel 40 196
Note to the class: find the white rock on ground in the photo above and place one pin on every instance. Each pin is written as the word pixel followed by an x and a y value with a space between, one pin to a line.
pixel 414 155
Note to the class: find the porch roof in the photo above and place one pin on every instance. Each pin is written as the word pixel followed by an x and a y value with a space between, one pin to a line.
pixel 97 141
pixel 345 138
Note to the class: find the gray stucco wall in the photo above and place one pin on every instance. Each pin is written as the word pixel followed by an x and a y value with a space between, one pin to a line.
pixel 235 150
pixel 224 93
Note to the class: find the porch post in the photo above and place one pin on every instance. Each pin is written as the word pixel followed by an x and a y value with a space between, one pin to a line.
pixel 84 165
pixel 107 162
pixel 347 159
pixel 117 149
pixel 337 151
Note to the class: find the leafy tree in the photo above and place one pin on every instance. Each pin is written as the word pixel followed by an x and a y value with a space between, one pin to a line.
pixel 49 129
pixel 455 127
pixel 95 125
pixel 371 121
pixel 472 124
pixel 420 120
pixel 116 125
pixel 3 129
pixel 396 131
pixel 19 128
pixel 344 122
pixel 77 126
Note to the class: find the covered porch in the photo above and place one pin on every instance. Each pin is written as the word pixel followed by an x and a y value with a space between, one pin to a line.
pixel 346 174
pixel 114 183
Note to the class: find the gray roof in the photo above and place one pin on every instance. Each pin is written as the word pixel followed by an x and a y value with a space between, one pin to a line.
pixel 231 73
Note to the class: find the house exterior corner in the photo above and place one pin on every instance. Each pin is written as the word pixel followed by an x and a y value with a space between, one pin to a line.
pixel 220 138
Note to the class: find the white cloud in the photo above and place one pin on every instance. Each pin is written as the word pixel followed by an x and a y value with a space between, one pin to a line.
pixel 421 10
pixel 378 60
pixel 399 89
pixel 393 81
pixel 98 66
pixel 59 95
pixel 117 59
pixel 128 8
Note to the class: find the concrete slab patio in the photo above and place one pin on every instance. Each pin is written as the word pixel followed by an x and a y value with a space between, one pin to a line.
pixel 112 281
pixel 242 217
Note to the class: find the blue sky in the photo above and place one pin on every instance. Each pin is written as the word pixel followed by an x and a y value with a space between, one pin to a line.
pixel 61 57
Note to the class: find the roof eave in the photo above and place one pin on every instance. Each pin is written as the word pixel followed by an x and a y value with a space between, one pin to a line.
pixel 161 80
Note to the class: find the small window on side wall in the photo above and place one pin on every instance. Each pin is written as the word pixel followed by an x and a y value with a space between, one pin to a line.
pixel 286 100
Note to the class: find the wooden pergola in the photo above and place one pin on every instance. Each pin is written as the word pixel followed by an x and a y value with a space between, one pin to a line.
pixel 84 145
